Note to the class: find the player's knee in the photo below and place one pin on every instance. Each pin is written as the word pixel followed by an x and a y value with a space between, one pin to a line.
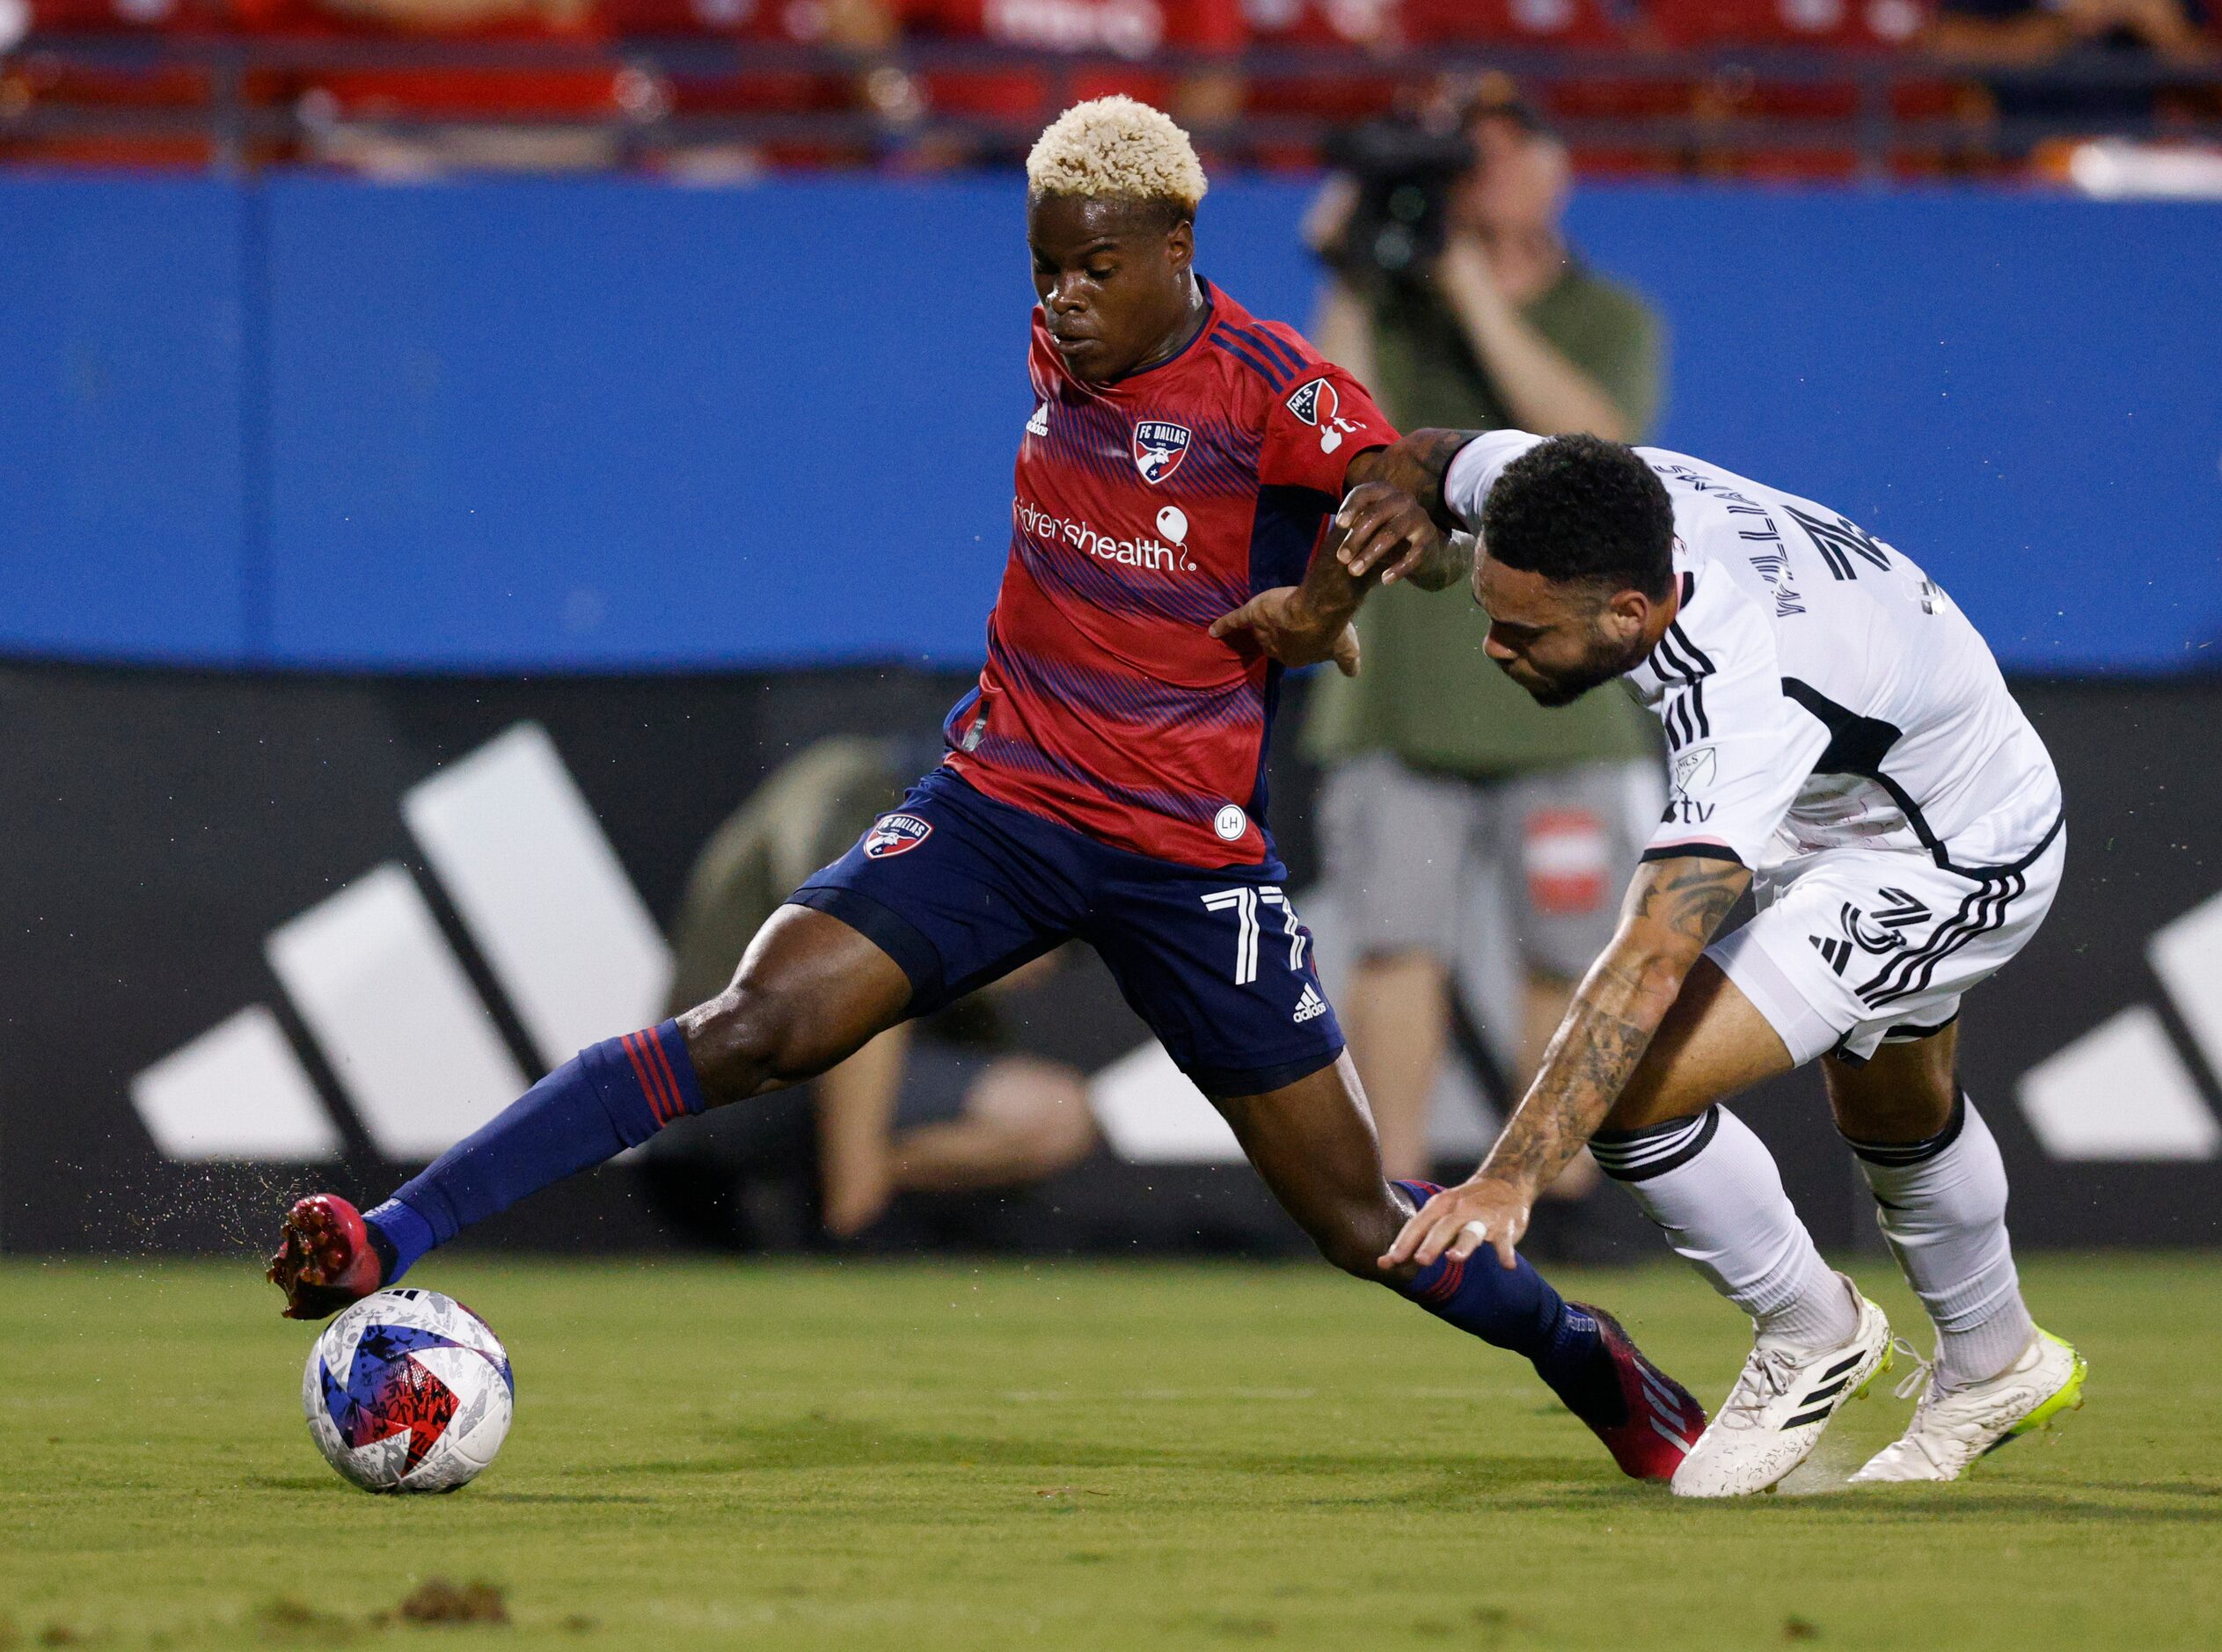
pixel 750 1036
pixel 1354 1240
pixel 1906 1101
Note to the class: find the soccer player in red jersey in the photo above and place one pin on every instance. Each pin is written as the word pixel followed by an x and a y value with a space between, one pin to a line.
pixel 1184 486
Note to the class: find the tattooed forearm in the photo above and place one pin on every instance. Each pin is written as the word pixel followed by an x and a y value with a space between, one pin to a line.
pixel 1415 464
pixel 1689 896
pixel 1449 563
pixel 1673 909
pixel 1589 1059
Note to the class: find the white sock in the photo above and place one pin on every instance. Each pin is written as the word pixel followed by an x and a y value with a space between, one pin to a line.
pixel 1942 1208
pixel 1713 1188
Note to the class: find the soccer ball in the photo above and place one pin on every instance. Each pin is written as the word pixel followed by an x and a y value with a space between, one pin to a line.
pixel 408 1391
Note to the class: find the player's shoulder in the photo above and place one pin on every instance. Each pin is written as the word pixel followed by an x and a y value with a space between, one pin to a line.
pixel 1708 500
pixel 1720 624
pixel 1270 355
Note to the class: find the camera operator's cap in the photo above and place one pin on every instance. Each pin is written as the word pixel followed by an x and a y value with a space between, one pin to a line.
pixel 1495 95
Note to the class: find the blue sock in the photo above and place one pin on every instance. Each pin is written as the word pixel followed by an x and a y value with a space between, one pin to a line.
pixel 612 1096
pixel 1517 1309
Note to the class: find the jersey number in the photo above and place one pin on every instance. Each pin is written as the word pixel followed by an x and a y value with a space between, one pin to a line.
pixel 1244 903
pixel 1840 541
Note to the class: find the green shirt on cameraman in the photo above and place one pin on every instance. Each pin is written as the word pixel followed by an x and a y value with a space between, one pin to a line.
pixel 1427 691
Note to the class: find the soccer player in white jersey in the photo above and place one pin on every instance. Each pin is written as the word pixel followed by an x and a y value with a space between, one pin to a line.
pixel 1842 745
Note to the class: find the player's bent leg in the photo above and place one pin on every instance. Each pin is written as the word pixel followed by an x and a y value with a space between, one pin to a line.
pixel 1313 1142
pixel 1941 1197
pixel 1713 1044
pixel 810 991
pixel 1712 1189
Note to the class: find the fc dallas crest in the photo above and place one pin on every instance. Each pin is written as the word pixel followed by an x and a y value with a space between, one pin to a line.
pixel 1158 449
pixel 895 835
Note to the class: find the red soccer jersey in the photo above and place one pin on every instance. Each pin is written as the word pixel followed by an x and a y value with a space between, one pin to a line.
pixel 1145 509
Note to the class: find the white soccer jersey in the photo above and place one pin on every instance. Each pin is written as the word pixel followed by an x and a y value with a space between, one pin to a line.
pixel 1817 690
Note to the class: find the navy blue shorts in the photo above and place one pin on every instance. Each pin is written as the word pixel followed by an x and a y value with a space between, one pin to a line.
pixel 959 889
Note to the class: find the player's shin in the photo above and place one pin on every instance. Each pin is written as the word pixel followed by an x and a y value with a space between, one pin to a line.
pixel 1711 1185
pixel 1511 1308
pixel 1645 1418
pixel 1517 1309
pixel 608 1097
pixel 1942 1205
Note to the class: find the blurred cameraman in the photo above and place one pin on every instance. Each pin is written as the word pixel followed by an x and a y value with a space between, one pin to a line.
pixel 1456 812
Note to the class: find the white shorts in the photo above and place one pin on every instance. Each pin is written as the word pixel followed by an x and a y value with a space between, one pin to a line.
pixel 1856 947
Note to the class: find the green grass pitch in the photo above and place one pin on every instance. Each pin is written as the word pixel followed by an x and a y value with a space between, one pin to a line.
pixel 1063 1456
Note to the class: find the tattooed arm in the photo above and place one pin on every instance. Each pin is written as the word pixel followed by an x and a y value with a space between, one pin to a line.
pixel 1673 908
pixel 1415 467
pixel 1393 525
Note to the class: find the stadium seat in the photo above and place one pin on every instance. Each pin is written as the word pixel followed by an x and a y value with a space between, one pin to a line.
pixel 1099 31
pixel 744 87
pixel 1566 23
pixel 576 103
pixel 1850 31
pixel 39 78
pixel 1338 35
pixel 1571 26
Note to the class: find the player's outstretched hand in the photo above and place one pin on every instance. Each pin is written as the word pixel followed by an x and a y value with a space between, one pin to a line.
pixel 1385 528
pixel 1280 625
pixel 1459 1220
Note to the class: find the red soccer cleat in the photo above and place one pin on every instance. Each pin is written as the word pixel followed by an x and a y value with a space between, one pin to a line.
pixel 1660 1419
pixel 324 1259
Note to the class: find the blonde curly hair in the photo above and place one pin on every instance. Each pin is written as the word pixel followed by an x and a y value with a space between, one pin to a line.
pixel 1115 146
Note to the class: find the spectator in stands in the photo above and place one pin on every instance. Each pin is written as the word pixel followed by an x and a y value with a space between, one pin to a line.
pixel 2033 35
pixel 940 1107
pixel 1443 776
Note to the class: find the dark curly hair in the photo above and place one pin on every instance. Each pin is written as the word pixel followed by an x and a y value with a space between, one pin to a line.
pixel 1583 509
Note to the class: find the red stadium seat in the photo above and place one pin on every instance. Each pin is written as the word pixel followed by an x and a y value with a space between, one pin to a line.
pixel 1573 26
pixel 1135 30
pixel 43 79
pixel 1843 25
pixel 586 94
pixel 1338 35
pixel 746 88
pixel 127 16
pixel 1568 23
pixel 1847 29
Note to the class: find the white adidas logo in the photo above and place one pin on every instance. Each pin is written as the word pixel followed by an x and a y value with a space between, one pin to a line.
pixel 2121 1090
pixel 387 1003
pixel 1039 425
pixel 1309 1005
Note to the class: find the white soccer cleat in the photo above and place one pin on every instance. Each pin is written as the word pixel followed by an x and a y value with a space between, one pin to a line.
pixel 1774 1416
pixel 1950 1430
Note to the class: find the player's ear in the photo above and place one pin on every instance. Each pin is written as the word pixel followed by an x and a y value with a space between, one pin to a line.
pixel 1179 246
pixel 1626 614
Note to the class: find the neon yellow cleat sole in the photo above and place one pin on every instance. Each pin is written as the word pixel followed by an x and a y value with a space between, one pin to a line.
pixel 1951 1432
pixel 2070 1397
